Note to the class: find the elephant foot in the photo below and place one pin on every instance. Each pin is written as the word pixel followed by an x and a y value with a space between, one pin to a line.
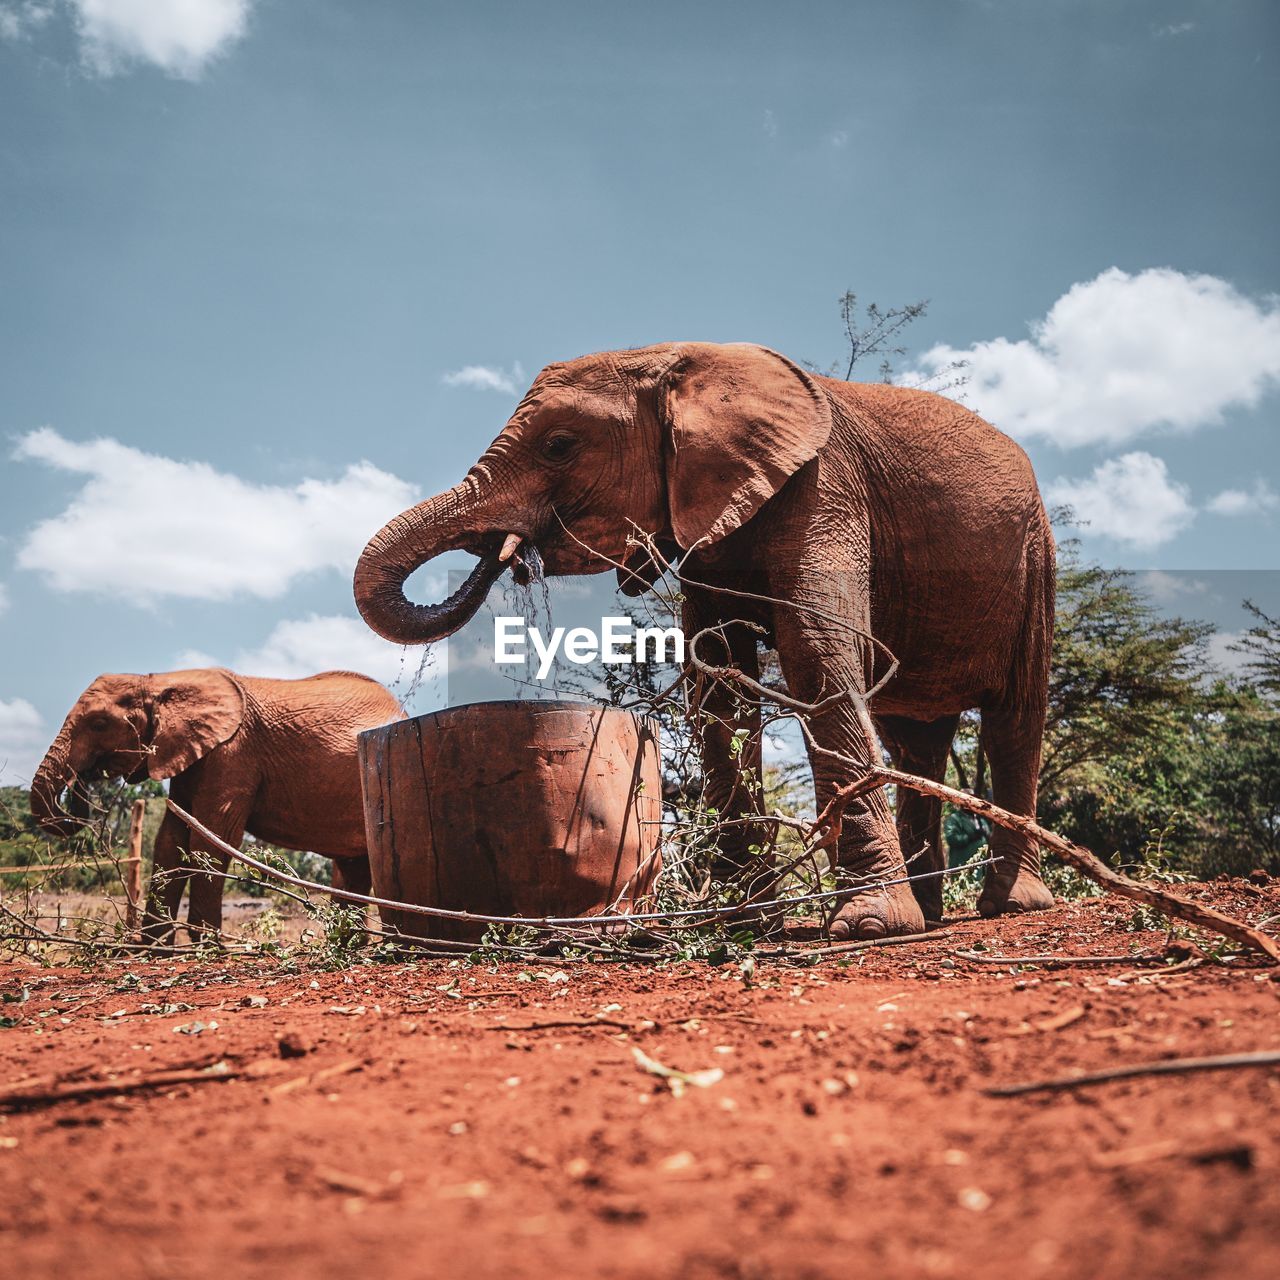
pixel 1025 892
pixel 886 913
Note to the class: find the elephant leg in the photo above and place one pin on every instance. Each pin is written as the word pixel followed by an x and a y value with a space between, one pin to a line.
pixel 729 731
pixel 921 749
pixel 168 880
pixel 1011 739
pixel 204 898
pixel 817 663
pixel 353 874
pixel 222 806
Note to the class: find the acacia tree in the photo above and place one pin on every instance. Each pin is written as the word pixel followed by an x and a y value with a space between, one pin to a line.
pixel 1241 770
pixel 1242 764
pixel 1122 734
pixel 1124 676
pixel 877 331
pixel 1261 643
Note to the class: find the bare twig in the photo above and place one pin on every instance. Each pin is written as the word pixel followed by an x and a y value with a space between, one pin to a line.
pixel 1089 864
pixel 21 1099
pixel 550 922
pixel 562 1022
pixel 317 1077
pixel 976 958
pixel 1167 1067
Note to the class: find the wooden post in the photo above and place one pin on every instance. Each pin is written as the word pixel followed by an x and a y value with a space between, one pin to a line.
pixel 133 864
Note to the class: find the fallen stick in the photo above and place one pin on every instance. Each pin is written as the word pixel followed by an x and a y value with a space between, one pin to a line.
pixel 21 1099
pixel 631 918
pixel 1057 1022
pixel 804 955
pixel 1166 1067
pixel 317 1077
pixel 1075 856
pixel 1152 975
pixel 1240 1154
pixel 351 1183
pixel 1059 960
pixel 563 1022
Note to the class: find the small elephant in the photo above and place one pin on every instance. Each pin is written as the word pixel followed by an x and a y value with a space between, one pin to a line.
pixel 842 510
pixel 275 758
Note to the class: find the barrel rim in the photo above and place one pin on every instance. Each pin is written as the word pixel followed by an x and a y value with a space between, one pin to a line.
pixel 563 704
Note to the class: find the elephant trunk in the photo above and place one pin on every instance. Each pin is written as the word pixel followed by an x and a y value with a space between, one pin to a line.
pixel 53 777
pixel 446 522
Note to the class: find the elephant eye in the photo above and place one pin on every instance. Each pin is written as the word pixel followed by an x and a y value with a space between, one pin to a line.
pixel 558 446
pixel 99 720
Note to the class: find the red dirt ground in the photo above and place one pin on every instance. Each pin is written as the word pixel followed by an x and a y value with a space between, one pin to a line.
pixel 425 1130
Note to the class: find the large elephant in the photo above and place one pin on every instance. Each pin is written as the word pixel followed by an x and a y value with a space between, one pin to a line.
pixel 275 758
pixel 868 506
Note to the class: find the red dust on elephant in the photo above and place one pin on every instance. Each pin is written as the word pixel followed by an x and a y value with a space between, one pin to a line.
pixel 844 510
pixel 275 758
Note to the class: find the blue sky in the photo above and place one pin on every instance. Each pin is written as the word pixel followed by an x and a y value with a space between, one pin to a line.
pixel 249 251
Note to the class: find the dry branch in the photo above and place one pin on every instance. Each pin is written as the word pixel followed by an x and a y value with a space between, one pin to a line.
pixel 1240 1154
pixel 1064 960
pixel 704 914
pixel 562 1022
pixel 1167 1067
pixel 317 1077
pixel 1080 859
pixel 869 777
pixel 24 1098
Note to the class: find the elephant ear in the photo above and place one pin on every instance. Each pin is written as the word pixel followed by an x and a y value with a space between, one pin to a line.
pixel 742 421
pixel 193 712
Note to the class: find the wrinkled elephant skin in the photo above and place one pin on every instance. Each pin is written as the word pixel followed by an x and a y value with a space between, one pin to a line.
pixel 274 758
pixel 862 507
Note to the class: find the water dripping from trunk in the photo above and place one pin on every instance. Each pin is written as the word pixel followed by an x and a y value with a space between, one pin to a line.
pixel 526 594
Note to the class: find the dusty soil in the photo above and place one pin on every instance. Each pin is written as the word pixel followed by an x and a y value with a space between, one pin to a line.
pixel 425 1120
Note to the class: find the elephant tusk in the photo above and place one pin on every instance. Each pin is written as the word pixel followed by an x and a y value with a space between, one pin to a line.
pixel 509 545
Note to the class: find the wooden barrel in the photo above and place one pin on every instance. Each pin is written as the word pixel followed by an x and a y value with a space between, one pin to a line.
pixel 512 809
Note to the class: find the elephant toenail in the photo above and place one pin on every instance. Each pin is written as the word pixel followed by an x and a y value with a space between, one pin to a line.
pixel 840 930
pixel 871 927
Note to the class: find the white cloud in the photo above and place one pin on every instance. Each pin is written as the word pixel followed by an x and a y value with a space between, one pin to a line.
pixel 1167 589
pixel 17 21
pixel 4 598
pixel 299 647
pixel 1130 499
pixel 181 37
pixel 144 527
pixel 483 377
pixel 839 139
pixel 1244 502
pixel 1175 29
pixel 22 742
pixel 1122 356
